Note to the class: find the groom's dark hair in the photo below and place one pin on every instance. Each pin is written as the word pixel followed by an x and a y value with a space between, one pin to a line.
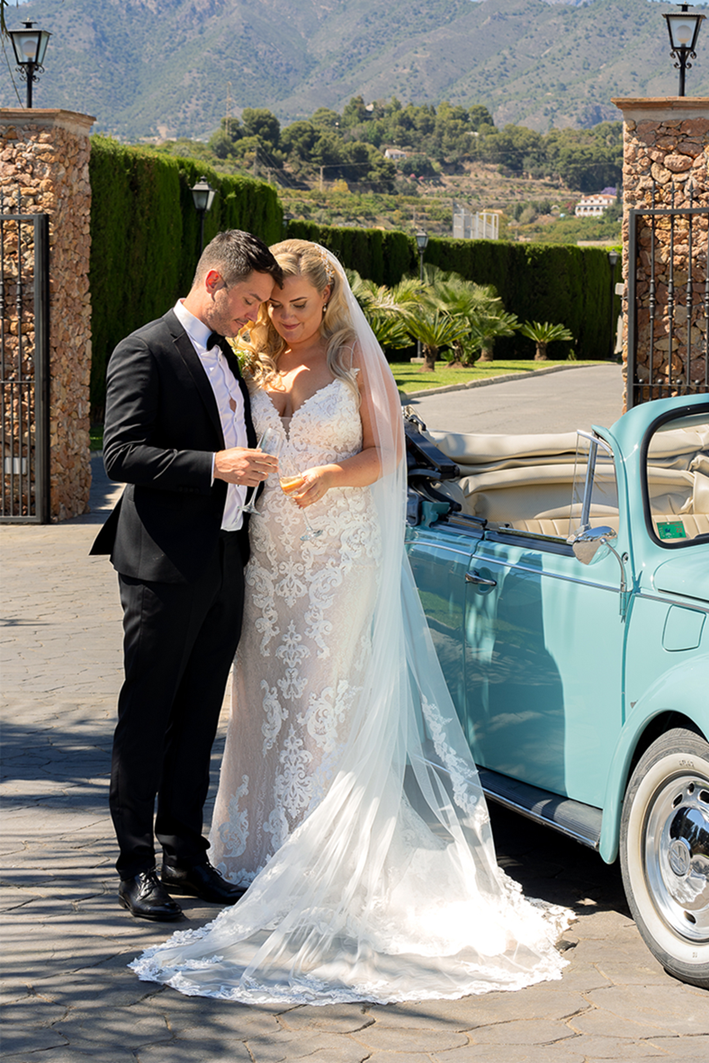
pixel 234 255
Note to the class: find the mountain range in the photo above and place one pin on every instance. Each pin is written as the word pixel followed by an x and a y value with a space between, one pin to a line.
pixel 169 68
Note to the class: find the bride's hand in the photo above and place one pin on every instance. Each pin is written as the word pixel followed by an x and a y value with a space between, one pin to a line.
pixel 316 483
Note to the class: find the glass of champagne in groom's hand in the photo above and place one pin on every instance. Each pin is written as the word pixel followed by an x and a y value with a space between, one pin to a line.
pixel 270 443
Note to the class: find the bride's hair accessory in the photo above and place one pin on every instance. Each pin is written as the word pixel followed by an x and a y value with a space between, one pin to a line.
pixel 326 263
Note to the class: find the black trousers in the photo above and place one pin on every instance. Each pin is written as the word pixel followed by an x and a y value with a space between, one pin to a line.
pixel 179 642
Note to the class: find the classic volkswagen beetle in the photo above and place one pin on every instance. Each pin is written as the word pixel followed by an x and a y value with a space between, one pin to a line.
pixel 566 583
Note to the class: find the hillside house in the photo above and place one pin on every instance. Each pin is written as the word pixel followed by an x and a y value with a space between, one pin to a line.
pixel 594 205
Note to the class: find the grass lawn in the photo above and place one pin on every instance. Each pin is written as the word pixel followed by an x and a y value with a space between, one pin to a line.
pixel 409 377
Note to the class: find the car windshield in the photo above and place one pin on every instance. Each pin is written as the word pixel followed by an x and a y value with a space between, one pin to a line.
pixel 677 479
pixel 594 500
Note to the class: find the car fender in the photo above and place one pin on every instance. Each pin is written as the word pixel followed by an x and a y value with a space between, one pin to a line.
pixel 681 689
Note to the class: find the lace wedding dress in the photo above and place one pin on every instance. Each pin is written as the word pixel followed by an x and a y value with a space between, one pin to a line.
pixel 348 798
pixel 305 640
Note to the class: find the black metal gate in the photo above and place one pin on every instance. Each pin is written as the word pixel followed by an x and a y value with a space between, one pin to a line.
pixel 24 363
pixel 668 300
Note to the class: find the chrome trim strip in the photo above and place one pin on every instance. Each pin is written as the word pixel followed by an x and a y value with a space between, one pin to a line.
pixel 535 536
pixel 483 558
pixel 690 603
pixel 441 546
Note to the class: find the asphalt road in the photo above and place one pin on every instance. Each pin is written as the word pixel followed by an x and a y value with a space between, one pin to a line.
pixel 558 401
pixel 67 995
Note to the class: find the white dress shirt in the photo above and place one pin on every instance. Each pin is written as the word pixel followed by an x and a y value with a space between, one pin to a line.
pixel 225 387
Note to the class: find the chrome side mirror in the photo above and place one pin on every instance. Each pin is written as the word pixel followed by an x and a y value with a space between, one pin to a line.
pixel 592 544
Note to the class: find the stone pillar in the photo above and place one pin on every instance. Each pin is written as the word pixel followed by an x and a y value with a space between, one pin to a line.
pixel 665 164
pixel 44 154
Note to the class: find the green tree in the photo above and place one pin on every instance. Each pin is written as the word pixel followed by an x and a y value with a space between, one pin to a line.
pixel 259 122
pixel 433 329
pixel 379 172
pixel 326 119
pixel 387 310
pixel 514 147
pixel 418 165
pixel 452 131
pixel 246 150
pixel 479 117
pixel 479 307
pixel 355 112
pixel 224 141
pixel 485 328
pixel 586 159
pixel 298 141
pixel 329 150
pixel 543 333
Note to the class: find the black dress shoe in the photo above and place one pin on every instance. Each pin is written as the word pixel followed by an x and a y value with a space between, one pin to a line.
pixel 200 880
pixel 145 897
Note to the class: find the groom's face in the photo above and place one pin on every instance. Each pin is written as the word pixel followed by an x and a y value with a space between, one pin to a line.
pixel 235 305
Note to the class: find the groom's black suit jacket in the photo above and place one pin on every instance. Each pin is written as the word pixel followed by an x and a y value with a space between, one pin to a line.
pixel 162 427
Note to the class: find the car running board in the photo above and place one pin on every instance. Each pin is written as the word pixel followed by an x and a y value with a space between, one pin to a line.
pixel 577 821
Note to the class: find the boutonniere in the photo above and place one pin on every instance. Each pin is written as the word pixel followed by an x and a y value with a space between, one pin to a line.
pixel 241 354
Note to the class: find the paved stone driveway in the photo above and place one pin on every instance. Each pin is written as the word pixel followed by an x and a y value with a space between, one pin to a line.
pixel 67 995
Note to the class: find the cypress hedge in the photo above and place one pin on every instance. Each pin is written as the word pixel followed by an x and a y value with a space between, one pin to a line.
pixel 145 237
pixel 381 255
pixel 560 283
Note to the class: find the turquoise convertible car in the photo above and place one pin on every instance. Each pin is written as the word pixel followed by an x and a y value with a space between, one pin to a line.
pixel 566 583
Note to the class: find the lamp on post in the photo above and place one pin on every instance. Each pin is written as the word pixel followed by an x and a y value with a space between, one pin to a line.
pixel 422 244
pixel 202 197
pixel 613 257
pixel 683 29
pixel 29 46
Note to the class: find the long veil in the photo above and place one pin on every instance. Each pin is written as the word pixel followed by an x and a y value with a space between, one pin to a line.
pixel 390 889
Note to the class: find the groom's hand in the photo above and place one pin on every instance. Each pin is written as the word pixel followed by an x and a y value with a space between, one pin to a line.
pixel 240 465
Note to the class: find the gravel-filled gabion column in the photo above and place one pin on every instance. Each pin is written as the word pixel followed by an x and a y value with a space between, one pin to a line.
pixel 44 158
pixel 665 167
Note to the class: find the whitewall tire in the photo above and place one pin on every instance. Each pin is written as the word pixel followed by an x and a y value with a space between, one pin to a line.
pixel 664 853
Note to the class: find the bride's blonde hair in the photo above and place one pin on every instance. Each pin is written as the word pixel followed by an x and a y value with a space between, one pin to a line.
pixel 301 258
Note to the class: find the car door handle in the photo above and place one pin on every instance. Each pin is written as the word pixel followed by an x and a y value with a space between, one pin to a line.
pixel 478 580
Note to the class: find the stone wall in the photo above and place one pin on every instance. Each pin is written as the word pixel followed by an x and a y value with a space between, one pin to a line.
pixel 666 165
pixel 44 155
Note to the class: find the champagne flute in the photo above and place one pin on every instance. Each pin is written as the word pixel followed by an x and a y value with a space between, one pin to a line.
pixel 270 443
pixel 292 483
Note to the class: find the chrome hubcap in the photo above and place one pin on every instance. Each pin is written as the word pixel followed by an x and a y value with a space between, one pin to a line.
pixel 677 855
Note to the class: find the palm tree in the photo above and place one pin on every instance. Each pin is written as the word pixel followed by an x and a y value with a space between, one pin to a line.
pixel 484 331
pixel 385 309
pixel 390 330
pixel 480 307
pixel 434 329
pixel 408 293
pixel 543 334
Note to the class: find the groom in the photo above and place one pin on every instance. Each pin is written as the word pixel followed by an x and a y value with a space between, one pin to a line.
pixel 177 430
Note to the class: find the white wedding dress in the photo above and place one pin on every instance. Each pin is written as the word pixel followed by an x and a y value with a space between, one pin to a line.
pixel 348 799
pixel 305 642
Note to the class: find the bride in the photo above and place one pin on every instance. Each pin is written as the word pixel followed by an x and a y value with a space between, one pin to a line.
pixel 348 803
